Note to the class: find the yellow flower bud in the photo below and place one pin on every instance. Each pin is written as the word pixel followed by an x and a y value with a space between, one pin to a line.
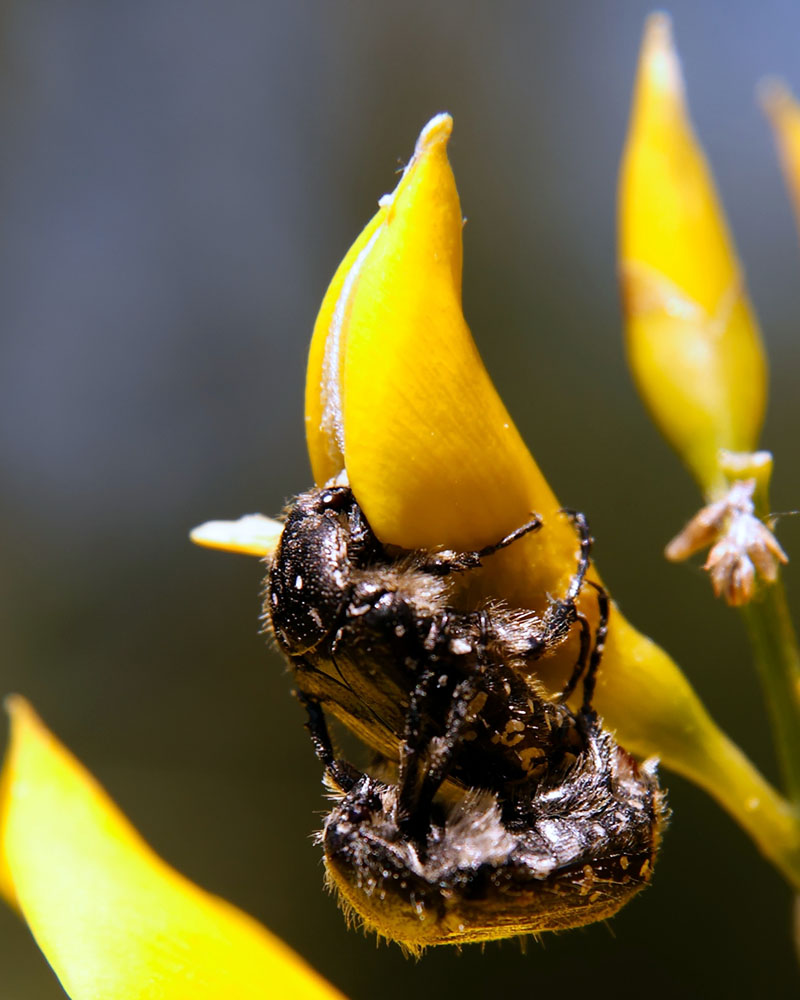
pixel 693 342
pixel 397 395
pixel 112 918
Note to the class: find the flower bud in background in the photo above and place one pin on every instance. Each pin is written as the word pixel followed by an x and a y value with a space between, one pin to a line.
pixel 783 112
pixel 693 344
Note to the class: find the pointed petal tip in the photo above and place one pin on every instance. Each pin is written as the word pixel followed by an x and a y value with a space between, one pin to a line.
pixel 433 137
pixel 774 97
pixel 18 708
pixel 435 133
pixel 658 29
pixel 660 56
pixel 772 93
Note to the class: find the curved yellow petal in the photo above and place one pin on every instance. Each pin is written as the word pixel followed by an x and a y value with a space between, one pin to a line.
pixel 431 452
pixel 114 921
pixel 435 460
pixel 783 112
pixel 693 343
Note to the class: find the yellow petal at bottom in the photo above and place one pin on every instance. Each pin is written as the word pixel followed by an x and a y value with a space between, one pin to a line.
pixel 113 919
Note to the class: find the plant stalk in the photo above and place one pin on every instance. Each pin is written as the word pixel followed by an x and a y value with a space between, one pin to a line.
pixel 774 642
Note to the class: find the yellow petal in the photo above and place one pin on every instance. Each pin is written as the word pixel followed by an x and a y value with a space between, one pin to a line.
pixel 783 112
pixel 6 881
pixel 114 921
pixel 396 384
pixel 251 535
pixel 693 342
pixel 397 394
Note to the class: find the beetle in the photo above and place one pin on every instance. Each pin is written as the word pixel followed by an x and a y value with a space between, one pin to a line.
pixel 499 811
pixel 560 851
pixel 372 636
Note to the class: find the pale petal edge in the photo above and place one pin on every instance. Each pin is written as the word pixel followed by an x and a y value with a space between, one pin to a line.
pixel 252 535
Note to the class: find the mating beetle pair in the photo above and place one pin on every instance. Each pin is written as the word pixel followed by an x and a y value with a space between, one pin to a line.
pixel 498 812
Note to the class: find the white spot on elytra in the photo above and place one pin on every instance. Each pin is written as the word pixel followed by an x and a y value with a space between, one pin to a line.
pixel 298 582
pixel 459 646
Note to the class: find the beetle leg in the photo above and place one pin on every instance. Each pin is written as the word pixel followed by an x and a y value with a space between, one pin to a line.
pixel 583 657
pixel 448 561
pixel 342 774
pixel 589 681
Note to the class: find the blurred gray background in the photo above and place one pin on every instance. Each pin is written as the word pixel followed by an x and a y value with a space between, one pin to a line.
pixel 178 182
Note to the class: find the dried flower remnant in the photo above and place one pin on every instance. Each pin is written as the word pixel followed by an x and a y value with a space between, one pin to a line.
pixel 742 546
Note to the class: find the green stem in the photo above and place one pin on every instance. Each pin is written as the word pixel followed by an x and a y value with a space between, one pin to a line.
pixel 774 643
